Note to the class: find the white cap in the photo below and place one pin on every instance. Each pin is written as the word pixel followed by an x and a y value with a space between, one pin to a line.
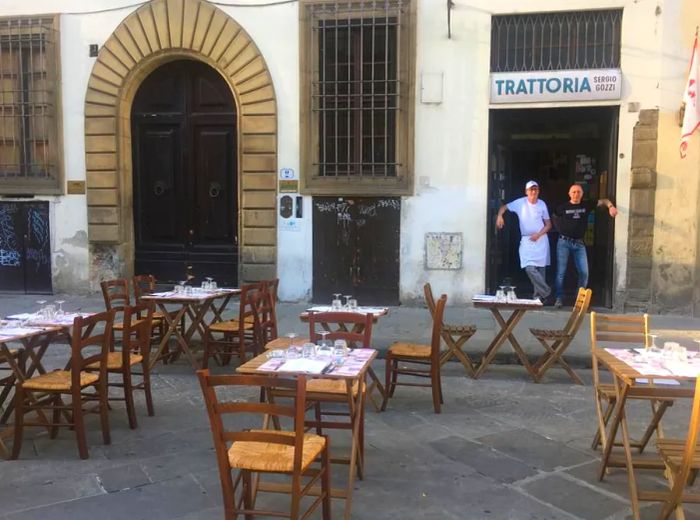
pixel 530 184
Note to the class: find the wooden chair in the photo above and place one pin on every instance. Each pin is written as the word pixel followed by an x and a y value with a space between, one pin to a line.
pixel 239 334
pixel 7 384
pixel 267 312
pixel 615 329
pixel 336 324
pixel 292 453
pixel 556 341
pixel 682 462
pixel 116 297
pixel 90 343
pixel 146 284
pixel 421 355
pixel 136 348
pixel 454 336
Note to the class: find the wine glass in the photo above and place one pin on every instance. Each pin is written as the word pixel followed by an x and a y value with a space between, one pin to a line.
pixel 337 303
pixel 347 300
pixel 501 294
pixel 59 310
pixel 651 346
pixel 291 336
pixel 41 304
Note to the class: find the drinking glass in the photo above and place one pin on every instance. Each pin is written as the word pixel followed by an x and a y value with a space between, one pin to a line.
pixel 308 350
pixel 60 312
pixel 352 304
pixel 291 336
pixel 41 304
pixel 213 286
pixel 337 303
pixel 340 351
pixel 49 312
pixel 510 295
pixel 651 346
pixel 347 300
pixel 501 294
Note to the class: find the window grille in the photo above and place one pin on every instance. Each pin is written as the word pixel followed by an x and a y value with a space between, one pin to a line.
pixel 556 41
pixel 358 87
pixel 27 105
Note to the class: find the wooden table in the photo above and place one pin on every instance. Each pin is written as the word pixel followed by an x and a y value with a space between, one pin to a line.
pixel 357 328
pixel 353 373
pixel 195 306
pixel 518 310
pixel 626 385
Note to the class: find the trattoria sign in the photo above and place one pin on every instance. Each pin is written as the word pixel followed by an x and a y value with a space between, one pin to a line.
pixel 556 85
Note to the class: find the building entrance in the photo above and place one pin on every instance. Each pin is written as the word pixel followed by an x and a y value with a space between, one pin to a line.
pixel 556 147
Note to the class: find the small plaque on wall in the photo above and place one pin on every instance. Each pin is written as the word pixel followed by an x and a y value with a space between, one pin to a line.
pixel 75 187
pixel 288 186
pixel 443 251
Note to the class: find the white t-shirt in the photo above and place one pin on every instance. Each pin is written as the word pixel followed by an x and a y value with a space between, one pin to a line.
pixel 531 218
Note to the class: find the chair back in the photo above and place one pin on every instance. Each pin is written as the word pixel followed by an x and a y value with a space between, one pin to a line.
pixel 115 294
pixel 579 310
pixel 143 284
pixel 437 329
pixel 138 324
pixel 429 299
pixel 91 341
pixel 267 313
pixel 619 328
pixel 218 408
pixel 271 286
pixel 359 332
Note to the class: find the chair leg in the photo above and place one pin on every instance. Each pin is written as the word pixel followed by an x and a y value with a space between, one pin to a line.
pixel 326 483
pixel 147 389
pixel 317 416
pixel 387 382
pixel 247 494
pixel 19 422
pixel 55 416
pixel 205 351
pixel 79 425
pixel 104 418
pixel 603 421
pixel 658 409
pixel 435 387
pixel 129 397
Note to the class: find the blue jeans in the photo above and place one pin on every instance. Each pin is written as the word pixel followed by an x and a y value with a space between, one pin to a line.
pixel 578 251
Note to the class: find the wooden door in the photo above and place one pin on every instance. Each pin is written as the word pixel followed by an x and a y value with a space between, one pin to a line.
pixel 356 249
pixel 25 247
pixel 185 175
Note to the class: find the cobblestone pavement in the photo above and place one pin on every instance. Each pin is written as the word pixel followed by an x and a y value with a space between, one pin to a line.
pixel 503 448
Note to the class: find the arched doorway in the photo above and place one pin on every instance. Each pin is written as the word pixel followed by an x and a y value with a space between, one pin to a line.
pixel 185 179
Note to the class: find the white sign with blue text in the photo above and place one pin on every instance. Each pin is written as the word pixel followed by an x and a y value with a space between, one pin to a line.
pixel 556 85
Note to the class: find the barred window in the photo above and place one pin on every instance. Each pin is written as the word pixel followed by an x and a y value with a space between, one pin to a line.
pixel 556 41
pixel 356 100
pixel 28 106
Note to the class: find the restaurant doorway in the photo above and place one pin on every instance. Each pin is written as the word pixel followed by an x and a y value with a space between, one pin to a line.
pixel 556 147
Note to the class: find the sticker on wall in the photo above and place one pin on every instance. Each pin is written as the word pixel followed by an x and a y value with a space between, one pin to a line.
pixel 287 174
pixel 291 224
pixel 443 251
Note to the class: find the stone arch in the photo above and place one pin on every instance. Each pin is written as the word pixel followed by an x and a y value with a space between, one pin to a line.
pixel 157 32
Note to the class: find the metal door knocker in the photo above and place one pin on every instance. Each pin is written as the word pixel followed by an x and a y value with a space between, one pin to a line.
pixel 214 189
pixel 159 187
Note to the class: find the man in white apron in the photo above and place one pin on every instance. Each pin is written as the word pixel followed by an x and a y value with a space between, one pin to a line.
pixel 534 245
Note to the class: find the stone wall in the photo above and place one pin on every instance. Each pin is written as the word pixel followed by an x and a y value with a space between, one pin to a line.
pixel 638 296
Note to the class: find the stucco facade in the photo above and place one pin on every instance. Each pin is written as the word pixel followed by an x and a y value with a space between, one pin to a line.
pixel 451 148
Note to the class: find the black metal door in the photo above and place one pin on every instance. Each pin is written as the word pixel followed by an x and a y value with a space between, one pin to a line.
pixel 25 247
pixel 185 174
pixel 356 249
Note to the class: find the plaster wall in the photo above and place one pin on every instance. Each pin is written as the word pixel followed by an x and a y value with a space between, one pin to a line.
pixel 675 247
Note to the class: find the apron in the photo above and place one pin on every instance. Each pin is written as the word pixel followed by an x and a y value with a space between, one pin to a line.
pixel 534 253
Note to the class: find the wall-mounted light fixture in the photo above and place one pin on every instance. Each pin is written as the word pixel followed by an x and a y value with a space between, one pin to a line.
pixel 450 5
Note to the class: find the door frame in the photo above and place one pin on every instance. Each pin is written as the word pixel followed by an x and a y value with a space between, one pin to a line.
pixel 155 33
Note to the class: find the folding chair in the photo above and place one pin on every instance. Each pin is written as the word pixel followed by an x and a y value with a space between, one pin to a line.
pixel 292 453
pixel 454 336
pixel 682 464
pixel 555 342
pixel 615 329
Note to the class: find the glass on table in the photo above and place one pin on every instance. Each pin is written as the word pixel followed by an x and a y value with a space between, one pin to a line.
pixel 308 350
pixel 336 303
pixel 510 295
pixel 352 304
pixel 650 345
pixel 501 294
pixel 324 346
pixel 340 351
pixel 347 300
pixel 59 311
pixel 41 304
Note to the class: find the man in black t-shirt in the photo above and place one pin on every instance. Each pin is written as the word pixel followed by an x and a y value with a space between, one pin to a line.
pixel 571 220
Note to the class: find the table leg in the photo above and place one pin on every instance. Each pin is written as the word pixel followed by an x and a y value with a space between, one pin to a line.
pixel 172 329
pixel 355 455
pixel 505 333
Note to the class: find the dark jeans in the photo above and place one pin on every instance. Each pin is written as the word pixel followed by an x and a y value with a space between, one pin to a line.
pixel 578 251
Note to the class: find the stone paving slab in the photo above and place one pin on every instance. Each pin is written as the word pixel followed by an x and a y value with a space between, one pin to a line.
pixel 503 448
